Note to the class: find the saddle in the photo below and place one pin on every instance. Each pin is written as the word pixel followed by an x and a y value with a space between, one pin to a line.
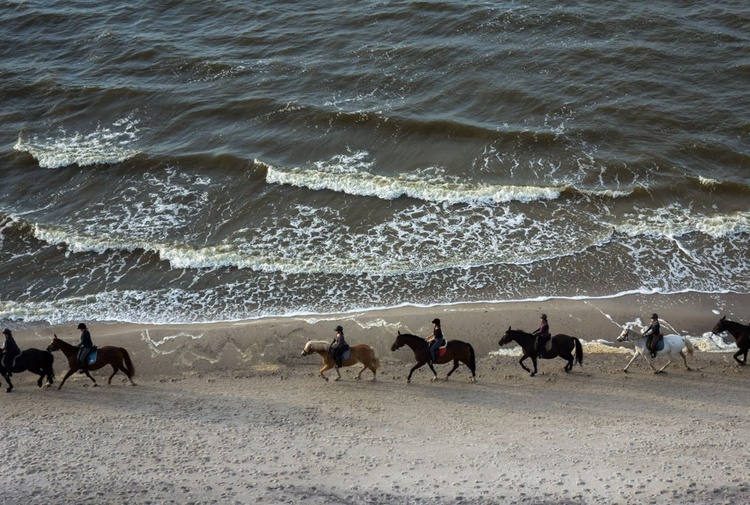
pixel 91 359
pixel 441 350
pixel 346 354
pixel 656 344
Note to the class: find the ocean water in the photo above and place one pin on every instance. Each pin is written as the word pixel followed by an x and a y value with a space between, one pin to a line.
pixel 193 162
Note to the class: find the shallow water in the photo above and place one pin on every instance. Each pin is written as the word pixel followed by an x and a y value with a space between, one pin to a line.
pixel 193 163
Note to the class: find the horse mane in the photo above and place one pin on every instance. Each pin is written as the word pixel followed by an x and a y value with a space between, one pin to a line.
pixel 317 345
pixel 409 336
pixel 732 325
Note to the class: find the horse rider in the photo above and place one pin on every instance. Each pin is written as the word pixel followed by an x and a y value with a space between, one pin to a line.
pixel 436 340
pixel 338 346
pixel 542 334
pixel 653 334
pixel 84 348
pixel 10 351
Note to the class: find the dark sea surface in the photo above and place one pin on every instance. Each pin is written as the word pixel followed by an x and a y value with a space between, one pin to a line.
pixel 212 161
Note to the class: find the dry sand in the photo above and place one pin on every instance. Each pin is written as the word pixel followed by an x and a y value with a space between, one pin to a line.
pixel 231 413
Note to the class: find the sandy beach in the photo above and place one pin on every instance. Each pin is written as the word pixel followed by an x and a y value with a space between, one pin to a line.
pixel 232 413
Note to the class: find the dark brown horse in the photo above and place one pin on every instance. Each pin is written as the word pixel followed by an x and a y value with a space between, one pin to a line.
pixel 455 351
pixel 32 360
pixel 741 334
pixel 559 345
pixel 117 357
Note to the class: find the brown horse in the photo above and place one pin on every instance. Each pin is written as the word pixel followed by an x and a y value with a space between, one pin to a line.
pixel 455 351
pixel 741 334
pixel 358 353
pixel 560 345
pixel 106 355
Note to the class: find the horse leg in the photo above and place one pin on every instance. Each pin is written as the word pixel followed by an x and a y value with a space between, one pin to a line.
pixel 6 376
pixel 665 366
pixel 408 379
pixel 684 358
pixel 41 378
pixel 533 360
pixel 359 375
pixel 86 371
pixel 326 367
pixel 520 362
pixel 70 372
pixel 434 373
pixel 455 365
pixel 114 372
pixel 635 355
pixel 737 358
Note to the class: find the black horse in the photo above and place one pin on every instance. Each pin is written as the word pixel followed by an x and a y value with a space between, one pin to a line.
pixel 559 345
pixel 32 360
pixel 741 334
pixel 456 350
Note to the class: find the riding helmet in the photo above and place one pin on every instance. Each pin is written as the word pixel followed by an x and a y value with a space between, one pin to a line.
pixel 436 321
pixel 81 326
pixel 544 316
pixel 339 328
pixel 654 316
pixel 6 331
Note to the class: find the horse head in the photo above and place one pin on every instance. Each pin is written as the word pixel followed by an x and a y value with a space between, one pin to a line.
pixel 719 327
pixel 314 346
pixel 507 338
pixel 624 334
pixel 398 343
pixel 54 345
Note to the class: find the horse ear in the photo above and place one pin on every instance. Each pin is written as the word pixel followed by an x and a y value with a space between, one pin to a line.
pixel 399 332
pixel 724 318
pixel 508 328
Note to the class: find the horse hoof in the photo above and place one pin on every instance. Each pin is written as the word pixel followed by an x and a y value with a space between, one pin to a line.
pixel 8 390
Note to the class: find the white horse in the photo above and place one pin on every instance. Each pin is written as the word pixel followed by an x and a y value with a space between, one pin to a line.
pixel 673 345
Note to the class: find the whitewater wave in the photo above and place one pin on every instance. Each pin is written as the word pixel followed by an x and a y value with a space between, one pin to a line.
pixel 351 174
pixel 103 146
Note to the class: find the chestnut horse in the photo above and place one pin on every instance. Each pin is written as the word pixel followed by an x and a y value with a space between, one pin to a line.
pixel 106 355
pixel 33 360
pixel 559 345
pixel 358 353
pixel 455 351
pixel 741 334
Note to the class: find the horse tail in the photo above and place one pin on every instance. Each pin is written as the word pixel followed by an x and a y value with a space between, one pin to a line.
pixel 472 359
pixel 579 351
pixel 689 345
pixel 128 363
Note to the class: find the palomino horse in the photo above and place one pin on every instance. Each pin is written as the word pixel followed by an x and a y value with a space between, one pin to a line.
pixel 741 334
pixel 455 351
pixel 673 345
pixel 32 360
pixel 559 345
pixel 358 353
pixel 117 357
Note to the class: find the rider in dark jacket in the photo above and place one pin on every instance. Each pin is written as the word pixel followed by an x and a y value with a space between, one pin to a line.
pixel 653 334
pixel 436 340
pixel 84 347
pixel 10 351
pixel 542 334
pixel 338 346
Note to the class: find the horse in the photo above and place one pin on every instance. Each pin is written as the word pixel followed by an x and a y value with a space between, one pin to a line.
pixel 358 353
pixel 117 357
pixel 741 334
pixel 673 345
pixel 455 351
pixel 560 345
pixel 31 360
